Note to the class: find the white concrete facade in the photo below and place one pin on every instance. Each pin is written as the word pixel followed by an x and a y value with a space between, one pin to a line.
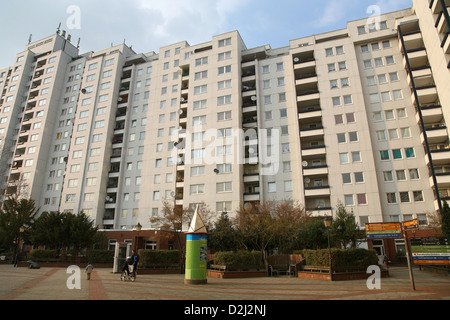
pixel 328 118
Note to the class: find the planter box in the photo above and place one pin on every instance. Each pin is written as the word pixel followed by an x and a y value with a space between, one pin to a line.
pixel 338 276
pixel 236 274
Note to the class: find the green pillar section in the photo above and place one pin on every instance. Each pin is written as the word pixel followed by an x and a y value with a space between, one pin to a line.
pixel 196 259
pixel 196 251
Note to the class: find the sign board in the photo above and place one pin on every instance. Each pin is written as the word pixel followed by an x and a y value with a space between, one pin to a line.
pixel 383 230
pixel 411 224
pixel 430 251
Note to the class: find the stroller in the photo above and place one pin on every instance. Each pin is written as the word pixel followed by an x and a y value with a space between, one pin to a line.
pixel 128 272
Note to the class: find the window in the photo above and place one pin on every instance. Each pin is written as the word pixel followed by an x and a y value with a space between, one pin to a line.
pixel 388 176
pixel 384 154
pixel 418 196
pixel 197 189
pixel 224 42
pixel 359 177
pixel 404 197
pixel 391 197
pixel 353 136
pixel 410 153
pixel 341 138
pixel 348 200
pixel 414 174
pixel 222 116
pixel 356 156
pixel 361 198
pixel 225 69
pixel 343 157
pixel 224 100
pixel 224 187
pixel 346 178
pixel 272 187
pixel 397 154
pixel 401 176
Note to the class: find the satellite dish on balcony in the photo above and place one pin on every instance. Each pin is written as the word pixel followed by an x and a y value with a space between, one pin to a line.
pixel 307 180
pixel 180 112
pixel 254 98
pixel 296 59
pixel 182 99
pixel 305 164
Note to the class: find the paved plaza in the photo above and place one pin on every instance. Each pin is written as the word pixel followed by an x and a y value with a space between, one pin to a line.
pixel 51 284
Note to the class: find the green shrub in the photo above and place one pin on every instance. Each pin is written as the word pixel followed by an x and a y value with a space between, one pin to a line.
pixel 150 258
pixel 358 258
pixel 100 256
pixel 40 254
pixel 238 259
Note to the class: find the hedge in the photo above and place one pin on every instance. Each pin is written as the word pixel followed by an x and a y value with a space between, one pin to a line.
pixel 357 258
pixel 238 258
pixel 100 256
pixel 40 254
pixel 149 258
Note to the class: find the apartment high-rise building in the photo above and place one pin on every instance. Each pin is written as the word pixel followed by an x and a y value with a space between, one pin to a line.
pixel 356 116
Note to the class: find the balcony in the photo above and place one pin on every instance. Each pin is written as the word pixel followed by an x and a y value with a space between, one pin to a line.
pixel 443 180
pixel 304 63
pixel 436 135
pixel 306 80
pixel 312 132
pixel 430 114
pixel 417 58
pixel 312 96
pixel 253 177
pixel 422 77
pixel 313 151
pixel 439 156
pixel 315 171
pixel 317 191
pixel 310 114
pixel 427 95
pixel 413 40
pixel 252 196
pixel 436 7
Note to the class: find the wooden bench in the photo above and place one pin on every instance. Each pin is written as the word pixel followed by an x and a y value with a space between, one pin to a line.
pixel 284 264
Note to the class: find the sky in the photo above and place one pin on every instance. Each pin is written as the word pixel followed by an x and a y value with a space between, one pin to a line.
pixel 147 25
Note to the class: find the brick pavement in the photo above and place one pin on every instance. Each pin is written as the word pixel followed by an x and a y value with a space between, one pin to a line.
pixel 50 284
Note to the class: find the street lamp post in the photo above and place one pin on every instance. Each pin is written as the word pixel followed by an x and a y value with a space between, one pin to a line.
pixel 138 229
pixel 327 222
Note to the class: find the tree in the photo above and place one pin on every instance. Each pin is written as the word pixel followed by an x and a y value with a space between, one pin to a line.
pixel 223 235
pixel 313 236
pixel 269 224
pixel 81 230
pixel 49 230
pixel 16 214
pixel 58 230
pixel 173 219
pixel 445 219
pixel 344 229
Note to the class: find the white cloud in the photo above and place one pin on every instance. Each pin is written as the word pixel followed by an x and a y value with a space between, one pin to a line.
pixel 191 20
pixel 334 12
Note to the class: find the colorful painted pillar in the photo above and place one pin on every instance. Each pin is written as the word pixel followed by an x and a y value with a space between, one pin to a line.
pixel 196 251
